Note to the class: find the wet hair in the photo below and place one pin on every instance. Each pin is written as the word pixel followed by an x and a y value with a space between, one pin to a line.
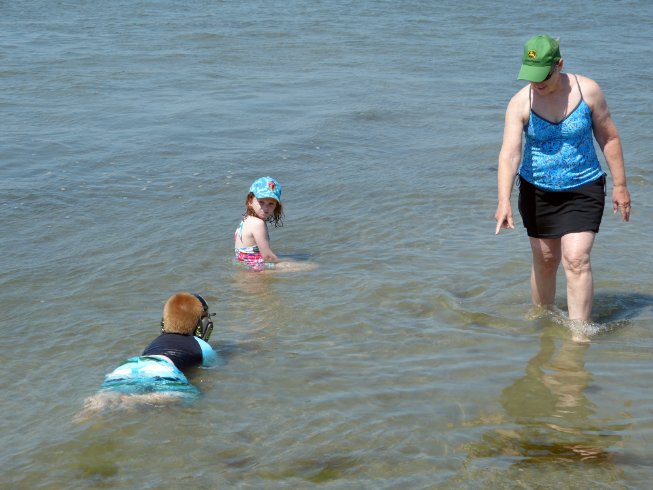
pixel 276 217
pixel 182 313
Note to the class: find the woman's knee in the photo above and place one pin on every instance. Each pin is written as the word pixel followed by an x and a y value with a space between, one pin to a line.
pixel 576 249
pixel 577 263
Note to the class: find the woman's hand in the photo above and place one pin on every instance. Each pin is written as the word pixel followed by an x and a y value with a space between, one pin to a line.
pixel 503 216
pixel 621 201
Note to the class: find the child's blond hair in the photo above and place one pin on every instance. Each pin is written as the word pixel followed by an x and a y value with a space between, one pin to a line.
pixel 182 313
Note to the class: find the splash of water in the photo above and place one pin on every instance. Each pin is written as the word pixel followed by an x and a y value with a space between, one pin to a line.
pixel 581 330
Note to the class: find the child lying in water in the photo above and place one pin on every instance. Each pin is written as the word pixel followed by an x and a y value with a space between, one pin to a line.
pixel 157 376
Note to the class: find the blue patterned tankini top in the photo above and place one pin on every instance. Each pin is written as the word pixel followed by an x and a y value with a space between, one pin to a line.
pixel 559 156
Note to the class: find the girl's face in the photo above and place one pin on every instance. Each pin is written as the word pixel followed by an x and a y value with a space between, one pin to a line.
pixel 264 208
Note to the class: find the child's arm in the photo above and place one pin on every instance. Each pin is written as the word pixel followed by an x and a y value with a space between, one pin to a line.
pixel 209 356
pixel 260 234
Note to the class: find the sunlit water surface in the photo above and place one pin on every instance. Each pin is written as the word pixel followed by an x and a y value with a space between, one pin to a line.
pixel 411 358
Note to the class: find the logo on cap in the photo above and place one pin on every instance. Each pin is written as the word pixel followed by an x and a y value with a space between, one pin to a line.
pixel 532 54
pixel 271 185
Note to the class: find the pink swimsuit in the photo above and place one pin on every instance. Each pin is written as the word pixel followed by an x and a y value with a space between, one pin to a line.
pixel 250 257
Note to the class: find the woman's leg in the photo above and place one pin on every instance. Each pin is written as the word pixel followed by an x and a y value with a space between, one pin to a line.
pixel 576 249
pixel 546 259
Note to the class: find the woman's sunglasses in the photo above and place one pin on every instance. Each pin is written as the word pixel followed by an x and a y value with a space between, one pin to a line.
pixel 553 69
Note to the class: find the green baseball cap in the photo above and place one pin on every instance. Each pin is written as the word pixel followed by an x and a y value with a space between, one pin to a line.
pixel 540 53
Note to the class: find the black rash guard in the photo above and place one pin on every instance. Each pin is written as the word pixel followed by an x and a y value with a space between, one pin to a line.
pixel 182 350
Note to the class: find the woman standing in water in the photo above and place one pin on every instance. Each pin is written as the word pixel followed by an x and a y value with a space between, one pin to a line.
pixel 561 183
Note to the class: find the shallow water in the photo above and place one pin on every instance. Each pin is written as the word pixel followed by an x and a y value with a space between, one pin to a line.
pixel 412 357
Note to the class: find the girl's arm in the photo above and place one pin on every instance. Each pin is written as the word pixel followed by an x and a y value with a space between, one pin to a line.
pixel 260 234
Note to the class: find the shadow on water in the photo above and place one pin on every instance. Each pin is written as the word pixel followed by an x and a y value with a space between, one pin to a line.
pixel 618 308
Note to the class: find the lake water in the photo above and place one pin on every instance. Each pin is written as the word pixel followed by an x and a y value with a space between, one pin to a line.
pixel 411 358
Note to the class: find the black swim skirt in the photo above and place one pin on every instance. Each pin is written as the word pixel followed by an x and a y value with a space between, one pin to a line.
pixel 552 214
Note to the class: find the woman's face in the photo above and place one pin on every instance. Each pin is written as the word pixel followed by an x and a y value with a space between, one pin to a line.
pixel 550 83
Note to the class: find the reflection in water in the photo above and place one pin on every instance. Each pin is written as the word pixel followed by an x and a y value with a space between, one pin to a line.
pixel 256 310
pixel 256 302
pixel 548 417
pixel 552 386
pixel 550 404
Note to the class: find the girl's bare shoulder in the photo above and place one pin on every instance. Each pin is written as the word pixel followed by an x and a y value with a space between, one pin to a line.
pixel 253 222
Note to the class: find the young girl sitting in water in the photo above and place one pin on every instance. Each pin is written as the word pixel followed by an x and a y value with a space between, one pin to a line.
pixel 252 241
